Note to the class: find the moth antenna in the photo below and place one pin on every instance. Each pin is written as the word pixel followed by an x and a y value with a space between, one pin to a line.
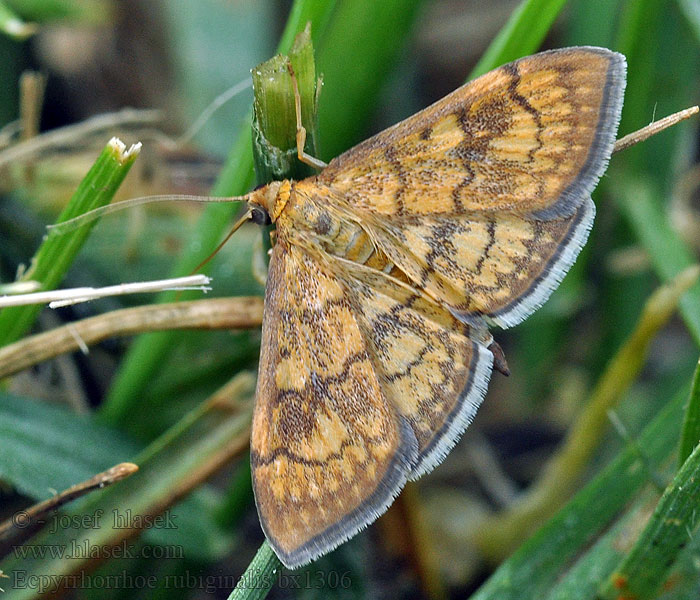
pixel 246 217
pixel 76 222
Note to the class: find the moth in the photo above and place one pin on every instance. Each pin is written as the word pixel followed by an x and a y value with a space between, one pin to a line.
pixel 390 266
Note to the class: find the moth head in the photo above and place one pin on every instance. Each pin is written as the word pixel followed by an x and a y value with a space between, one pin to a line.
pixel 271 198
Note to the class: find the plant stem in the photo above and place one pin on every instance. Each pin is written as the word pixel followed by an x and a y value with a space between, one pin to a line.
pixel 259 577
pixel 217 313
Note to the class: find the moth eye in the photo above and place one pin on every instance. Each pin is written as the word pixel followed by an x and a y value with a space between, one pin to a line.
pixel 259 215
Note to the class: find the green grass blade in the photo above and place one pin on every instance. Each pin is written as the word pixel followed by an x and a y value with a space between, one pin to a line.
pixel 95 12
pixel 690 436
pixel 521 35
pixel 57 252
pixel 538 564
pixel 259 577
pixel 563 472
pixel 643 175
pixel 638 17
pixel 643 571
pixel 316 13
pixel 656 77
pixel 583 579
pixel 592 27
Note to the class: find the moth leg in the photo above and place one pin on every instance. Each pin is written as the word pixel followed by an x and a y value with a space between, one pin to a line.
pixel 480 333
pixel 499 358
pixel 301 130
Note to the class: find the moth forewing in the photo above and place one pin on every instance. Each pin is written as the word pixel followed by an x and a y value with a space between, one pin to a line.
pixel 387 268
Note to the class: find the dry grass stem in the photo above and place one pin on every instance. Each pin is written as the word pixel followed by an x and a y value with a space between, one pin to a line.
pixel 216 313
pixel 27 522
pixel 653 128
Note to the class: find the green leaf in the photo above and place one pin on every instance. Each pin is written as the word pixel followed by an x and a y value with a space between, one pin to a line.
pixel 43 451
pixel 40 443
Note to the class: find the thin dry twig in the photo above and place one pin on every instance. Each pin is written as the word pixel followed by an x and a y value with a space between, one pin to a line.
pixel 216 313
pixel 25 523
pixel 653 128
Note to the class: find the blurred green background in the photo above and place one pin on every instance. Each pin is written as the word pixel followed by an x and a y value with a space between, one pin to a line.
pixel 64 420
